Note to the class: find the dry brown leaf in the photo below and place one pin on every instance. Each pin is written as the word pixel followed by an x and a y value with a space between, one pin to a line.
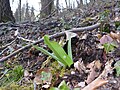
pixel 107 70
pixel 114 35
pixel 100 81
pixel 37 80
pixel 98 64
pixel 95 84
pixel 93 74
pixel 90 65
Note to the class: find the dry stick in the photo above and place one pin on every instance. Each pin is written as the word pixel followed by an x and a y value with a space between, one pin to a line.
pixel 75 30
pixel 8 44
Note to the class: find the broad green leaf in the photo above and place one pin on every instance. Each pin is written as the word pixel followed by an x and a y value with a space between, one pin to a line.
pixel 63 86
pixel 58 51
pixel 45 52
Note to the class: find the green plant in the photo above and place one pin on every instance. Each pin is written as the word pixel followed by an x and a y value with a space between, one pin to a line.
pixel 15 86
pixel 62 86
pixel 45 75
pixel 11 76
pixel 107 43
pixel 104 15
pixel 109 47
pixel 118 28
pixel 16 73
pixel 117 24
pixel 117 67
pixel 58 52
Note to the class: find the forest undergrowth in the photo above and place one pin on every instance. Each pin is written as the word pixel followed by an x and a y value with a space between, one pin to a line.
pixel 73 51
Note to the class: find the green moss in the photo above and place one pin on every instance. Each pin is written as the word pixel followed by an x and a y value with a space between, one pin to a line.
pixel 14 86
pixel 12 75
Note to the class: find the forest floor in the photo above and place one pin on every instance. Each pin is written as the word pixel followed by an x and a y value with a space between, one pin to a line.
pixel 95 54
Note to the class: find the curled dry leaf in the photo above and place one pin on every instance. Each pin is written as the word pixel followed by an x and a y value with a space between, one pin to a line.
pixel 108 69
pixel 114 35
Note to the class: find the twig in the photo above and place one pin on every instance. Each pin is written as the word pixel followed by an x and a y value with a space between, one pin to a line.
pixel 88 28
pixel 4 73
pixel 1 48
pixel 3 51
pixel 27 40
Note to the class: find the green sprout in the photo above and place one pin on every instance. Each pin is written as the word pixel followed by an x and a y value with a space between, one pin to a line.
pixel 58 54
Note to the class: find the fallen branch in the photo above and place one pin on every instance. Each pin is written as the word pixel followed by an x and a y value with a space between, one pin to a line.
pixel 75 30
